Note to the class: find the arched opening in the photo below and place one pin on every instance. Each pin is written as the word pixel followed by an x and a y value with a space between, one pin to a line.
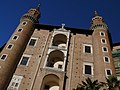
pixel 50 82
pixel 55 59
pixel 60 40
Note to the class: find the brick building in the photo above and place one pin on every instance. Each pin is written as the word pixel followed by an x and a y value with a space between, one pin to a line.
pixel 116 58
pixel 45 57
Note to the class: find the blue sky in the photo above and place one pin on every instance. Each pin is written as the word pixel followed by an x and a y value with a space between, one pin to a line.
pixel 74 13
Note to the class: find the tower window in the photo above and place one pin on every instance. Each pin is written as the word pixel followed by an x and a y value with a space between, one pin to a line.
pixel 24 23
pixel 25 60
pixel 88 68
pixel 3 57
pixel 10 46
pixel 32 41
pixel 103 41
pixel 105 49
pixel 106 59
pixel 87 48
pixel 20 30
pixel 15 82
pixel 108 72
pixel 102 34
pixel 15 37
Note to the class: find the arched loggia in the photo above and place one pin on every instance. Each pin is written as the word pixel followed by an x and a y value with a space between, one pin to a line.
pixel 50 82
pixel 60 40
pixel 55 59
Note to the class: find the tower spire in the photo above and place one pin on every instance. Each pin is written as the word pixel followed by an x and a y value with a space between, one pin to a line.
pixel 38 7
pixel 96 13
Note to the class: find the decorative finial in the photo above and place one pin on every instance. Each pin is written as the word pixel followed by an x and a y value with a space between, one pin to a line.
pixel 96 13
pixel 38 7
pixel 63 25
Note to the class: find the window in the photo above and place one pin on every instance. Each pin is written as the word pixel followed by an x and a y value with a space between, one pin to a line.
pixel 60 66
pixel 107 59
pixel 15 37
pixel 25 60
pixel 88 68
pixel 20 30
pixel 103 41
pixel 32 41
pixel 24 23
pixel 10 46
pixel 87 48
pixel 47 87
pixel 3 57
pixel 108 72
pixel 15 82
pixel 102 34
pixel 104 49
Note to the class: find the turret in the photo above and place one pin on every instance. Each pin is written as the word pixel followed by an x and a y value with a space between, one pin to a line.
pixel 12 52
pixel 98 22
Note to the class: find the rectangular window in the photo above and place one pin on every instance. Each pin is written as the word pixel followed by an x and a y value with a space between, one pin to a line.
pixel 60 66
pixel 3 57
pixel 87 48
pixel 32 41
pixel 88 68
pixel 104 49
pixel 15 37
pixel 107 59
pixel 25 60
pixel 108 72
pixel 15 82
pixel 10 46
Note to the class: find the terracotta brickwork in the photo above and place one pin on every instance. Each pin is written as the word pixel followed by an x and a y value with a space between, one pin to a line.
pixel 36 65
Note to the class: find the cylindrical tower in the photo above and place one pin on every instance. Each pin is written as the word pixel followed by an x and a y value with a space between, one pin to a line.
pixel 11 54
pixel 103 62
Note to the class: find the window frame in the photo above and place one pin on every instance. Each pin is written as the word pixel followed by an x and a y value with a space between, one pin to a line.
pixel 106 71
pixel 16 79
pixel 102 41
pixel 101 33
pixel 23 23
pixel 25 55
pixel 91 48
pixel 34 43
pixel 103 49
pixel 4 58
pixel 105 60
pixel 11 46
pixel 19 31
pixel 16 38
pixel 89 64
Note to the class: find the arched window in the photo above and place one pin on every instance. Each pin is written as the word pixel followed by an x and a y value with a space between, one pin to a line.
pixel 50 82
pixel 55 59
pixel 60 40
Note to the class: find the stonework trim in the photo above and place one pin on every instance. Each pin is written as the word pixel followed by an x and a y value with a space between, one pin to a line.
pixel 25 55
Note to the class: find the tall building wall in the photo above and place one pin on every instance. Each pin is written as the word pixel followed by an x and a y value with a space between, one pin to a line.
pixel 116 58
pixel 57 57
